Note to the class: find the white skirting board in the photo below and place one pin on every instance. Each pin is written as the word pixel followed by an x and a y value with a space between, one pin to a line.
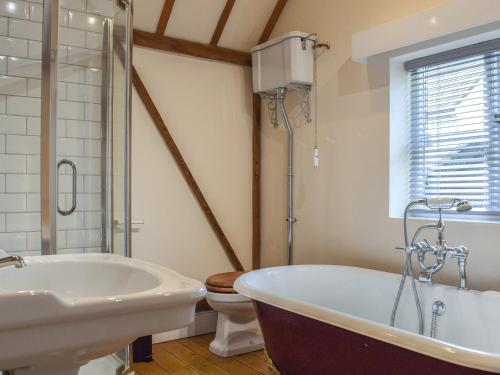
pixel 204 322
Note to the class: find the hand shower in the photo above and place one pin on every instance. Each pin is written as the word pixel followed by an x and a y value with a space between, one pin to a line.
pixel 463 206
pixel 446 203
pixel 408 271
pixel 441 202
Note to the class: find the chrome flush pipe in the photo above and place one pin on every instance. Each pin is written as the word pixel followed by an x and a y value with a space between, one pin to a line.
pixel 280 97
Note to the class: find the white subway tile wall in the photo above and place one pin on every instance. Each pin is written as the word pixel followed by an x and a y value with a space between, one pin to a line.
pixel 78 130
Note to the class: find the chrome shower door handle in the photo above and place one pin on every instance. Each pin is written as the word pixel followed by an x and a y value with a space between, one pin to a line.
pixel 74 173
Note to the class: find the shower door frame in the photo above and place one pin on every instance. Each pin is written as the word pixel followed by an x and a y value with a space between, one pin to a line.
pixel 129 42
pixel 106 144
pixel 48 136
pixel 48 139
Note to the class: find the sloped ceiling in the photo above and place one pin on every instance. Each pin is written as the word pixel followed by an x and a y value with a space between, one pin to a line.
pixel 195 20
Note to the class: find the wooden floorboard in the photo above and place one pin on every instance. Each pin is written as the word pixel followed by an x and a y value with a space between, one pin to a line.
pixel 230 365
pixel 149 369
pixel 191 357
pixel 172 365
pixel 256 362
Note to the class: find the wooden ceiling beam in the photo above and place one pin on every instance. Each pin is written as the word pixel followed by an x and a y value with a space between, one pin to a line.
pixel 164 17
pixel 222 22
pixel 186 47
pixel 280 4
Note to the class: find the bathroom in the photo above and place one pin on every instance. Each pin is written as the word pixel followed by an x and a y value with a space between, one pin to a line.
pixel 145 134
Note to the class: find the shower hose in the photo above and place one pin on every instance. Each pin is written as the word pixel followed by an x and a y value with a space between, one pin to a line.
pixel 408 271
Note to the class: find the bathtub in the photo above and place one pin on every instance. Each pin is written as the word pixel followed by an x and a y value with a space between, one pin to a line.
pixel 321 320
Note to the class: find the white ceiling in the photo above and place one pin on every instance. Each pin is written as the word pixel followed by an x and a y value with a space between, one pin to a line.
pixel 195 20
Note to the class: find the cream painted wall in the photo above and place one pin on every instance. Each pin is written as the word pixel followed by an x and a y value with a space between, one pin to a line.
pixel 342 207
pixel 207 106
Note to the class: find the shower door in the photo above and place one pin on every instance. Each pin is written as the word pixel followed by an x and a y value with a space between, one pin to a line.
pixel 64 134
pixel 92 128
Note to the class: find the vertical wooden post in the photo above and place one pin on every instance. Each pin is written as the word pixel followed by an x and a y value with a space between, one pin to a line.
pixel 256 198
pixel 256 148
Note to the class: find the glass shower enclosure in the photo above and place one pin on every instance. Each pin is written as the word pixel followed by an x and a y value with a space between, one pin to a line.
pixel 65 92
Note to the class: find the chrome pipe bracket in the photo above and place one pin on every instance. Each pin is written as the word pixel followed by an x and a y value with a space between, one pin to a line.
pixel 305 102
pixel 272 108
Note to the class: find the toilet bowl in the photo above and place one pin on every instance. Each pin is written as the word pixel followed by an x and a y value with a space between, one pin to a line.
pixel 238 329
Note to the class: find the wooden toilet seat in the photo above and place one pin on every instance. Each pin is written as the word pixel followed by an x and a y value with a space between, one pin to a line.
pixel 222 282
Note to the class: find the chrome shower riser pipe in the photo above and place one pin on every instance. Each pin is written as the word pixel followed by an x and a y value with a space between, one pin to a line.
pixel 280 97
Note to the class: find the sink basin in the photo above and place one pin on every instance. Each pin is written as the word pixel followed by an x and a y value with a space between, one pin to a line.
pixel 61 311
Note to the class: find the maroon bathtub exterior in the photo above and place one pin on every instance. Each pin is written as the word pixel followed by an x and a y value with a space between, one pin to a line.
pixel 303 346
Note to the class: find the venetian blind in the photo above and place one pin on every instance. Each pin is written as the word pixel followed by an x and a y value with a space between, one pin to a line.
pixel 454 118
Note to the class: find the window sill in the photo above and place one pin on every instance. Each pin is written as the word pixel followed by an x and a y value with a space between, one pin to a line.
pixel 455 217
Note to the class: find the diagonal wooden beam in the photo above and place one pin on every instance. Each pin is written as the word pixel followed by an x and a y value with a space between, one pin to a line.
pixel 186 47
pixel 278 8
pixel 222 22
pixel 164 17
pixel 184 169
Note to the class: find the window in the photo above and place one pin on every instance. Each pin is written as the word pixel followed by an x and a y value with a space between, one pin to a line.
pixel 454 119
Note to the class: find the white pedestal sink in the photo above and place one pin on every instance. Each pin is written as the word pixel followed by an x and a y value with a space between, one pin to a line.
pixel 61 311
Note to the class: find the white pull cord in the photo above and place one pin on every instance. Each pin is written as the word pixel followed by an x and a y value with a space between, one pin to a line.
pixel 316 130
pixel 316 157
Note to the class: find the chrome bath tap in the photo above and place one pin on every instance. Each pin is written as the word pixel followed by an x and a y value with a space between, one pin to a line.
pixel 440 250
pixel 441 253
pixel 13 260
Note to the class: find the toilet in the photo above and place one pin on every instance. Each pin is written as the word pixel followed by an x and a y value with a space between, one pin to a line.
pixel 238 329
